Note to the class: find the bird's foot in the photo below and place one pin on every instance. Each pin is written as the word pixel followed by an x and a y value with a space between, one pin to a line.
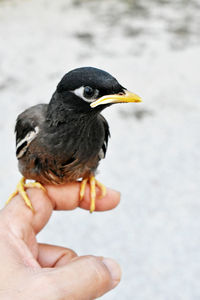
pixel 20 189
pixel 93 183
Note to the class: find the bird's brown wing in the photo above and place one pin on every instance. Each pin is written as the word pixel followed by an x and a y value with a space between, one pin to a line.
pixel 27 127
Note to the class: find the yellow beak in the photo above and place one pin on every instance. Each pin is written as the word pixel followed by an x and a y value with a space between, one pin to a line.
pixel 117 98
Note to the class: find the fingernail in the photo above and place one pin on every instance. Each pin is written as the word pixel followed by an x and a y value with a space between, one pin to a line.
pixel 114 270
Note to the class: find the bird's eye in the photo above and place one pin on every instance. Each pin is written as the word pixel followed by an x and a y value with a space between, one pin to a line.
pixel 89 92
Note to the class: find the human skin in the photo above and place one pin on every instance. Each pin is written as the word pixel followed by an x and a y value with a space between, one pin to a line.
pixel 30 270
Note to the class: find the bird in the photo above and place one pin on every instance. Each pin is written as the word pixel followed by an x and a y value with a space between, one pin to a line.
pixel 64 140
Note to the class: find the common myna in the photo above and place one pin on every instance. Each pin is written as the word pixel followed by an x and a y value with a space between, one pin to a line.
pixel 63 141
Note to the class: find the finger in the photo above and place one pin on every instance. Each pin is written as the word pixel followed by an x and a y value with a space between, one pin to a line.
pixel 69 197
pixel 86 277
pixel 54 256
pixel 63 197
pixel 22 219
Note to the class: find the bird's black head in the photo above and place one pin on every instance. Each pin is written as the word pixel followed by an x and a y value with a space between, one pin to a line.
pixel 89 83
pixel 89 89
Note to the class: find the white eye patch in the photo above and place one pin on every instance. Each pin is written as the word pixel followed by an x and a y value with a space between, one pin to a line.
pixel 80 93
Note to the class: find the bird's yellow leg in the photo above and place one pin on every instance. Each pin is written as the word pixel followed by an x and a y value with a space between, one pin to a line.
pixel 20 189
pixel 92 193
pixel 82 189
pixel 93 183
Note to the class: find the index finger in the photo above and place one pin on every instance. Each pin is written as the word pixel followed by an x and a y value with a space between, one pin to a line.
pixel 66 197
pixel 63 197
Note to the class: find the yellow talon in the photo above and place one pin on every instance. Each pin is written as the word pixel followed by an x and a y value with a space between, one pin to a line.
pixel 102 188
pixel 82 189
pixel 34 185
pixel 93 183
pixel 92 193
pixel 21 186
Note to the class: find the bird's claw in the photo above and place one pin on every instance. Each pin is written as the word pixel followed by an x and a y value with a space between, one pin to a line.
pixel 20 189
pixel 93 183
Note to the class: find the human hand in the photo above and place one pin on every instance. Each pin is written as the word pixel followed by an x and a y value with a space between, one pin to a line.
pixel 34 271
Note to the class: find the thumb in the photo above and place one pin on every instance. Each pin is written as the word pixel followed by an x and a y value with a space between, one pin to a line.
pixel 85 277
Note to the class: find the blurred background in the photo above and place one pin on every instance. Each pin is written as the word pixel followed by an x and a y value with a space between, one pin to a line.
pixel 153 49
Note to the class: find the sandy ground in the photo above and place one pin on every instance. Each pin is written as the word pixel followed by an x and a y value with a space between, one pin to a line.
pixel 153 48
